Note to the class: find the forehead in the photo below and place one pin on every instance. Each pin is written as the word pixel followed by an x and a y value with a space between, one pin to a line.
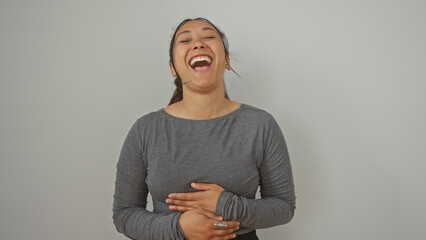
pixel 194 26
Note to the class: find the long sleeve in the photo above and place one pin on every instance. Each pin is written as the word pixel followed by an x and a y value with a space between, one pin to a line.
pixel 130 215
pixel 277 203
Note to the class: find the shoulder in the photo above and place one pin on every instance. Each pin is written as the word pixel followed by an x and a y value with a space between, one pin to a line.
pixel 261 119
pixel 146 121
pixel 257 114
pixel 150 117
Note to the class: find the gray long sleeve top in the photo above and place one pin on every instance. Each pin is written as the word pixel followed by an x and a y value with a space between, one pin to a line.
pixel 239 151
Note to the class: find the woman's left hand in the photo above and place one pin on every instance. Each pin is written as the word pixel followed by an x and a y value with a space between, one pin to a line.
pixel 206 198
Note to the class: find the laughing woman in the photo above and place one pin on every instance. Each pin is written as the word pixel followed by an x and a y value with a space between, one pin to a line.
pixel 203 156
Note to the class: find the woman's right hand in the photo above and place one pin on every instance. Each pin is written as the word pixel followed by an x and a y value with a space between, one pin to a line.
pixel 199 224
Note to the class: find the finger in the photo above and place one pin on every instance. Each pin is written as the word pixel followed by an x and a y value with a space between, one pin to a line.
pixel 205 186
pixel 210 215
pixel 179 208
pixel 224 232
pixel 184 196
pixel 232 224
pixel 229 236
pixel 181 203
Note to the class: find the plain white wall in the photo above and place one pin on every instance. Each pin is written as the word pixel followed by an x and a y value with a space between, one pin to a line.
pixel 344 79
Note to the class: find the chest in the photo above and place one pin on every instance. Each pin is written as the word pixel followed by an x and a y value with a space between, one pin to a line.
pixel 229 159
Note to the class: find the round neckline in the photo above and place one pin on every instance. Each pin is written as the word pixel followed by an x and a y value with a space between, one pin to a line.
pixel 235 111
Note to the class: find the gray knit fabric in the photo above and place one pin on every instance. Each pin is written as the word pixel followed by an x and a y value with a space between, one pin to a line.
pixel 239 151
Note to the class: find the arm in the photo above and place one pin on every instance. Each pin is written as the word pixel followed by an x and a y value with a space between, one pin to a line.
pixel 277 204
pixel 130 198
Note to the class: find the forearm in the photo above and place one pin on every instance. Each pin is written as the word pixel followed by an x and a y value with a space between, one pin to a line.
pixel 255 213
pixel 139 224
pixel 278 200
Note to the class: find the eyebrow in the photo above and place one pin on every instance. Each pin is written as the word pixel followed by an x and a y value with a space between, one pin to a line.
pixel 187 31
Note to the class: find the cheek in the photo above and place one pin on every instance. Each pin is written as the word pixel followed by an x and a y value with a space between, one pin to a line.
pixel 179 56
pixel 220 51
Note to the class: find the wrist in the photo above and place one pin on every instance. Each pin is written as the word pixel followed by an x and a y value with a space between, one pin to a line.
pixel 179 225
pixel 222 202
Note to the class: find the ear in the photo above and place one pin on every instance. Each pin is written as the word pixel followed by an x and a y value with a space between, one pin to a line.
pixel 227 63
pixel 172 69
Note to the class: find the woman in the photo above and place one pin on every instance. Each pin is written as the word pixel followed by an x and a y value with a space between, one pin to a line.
pixel 203 156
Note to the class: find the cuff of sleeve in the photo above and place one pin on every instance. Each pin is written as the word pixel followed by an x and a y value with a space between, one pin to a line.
pixel 222 204
pixel 178 229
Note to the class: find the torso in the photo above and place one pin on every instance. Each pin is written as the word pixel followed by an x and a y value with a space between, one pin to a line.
pixel 226 150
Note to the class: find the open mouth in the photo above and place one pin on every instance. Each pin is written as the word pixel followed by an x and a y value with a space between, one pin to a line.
pixel 201 63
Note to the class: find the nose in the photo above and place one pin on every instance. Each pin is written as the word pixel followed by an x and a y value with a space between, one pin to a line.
pixel 199 45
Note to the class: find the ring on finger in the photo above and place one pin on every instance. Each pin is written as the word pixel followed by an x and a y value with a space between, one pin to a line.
pixel 220 224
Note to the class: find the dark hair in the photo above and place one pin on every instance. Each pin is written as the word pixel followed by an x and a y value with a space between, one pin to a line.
pixel 178 94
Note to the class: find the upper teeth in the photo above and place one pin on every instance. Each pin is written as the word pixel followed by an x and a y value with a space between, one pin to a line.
pixel 200 58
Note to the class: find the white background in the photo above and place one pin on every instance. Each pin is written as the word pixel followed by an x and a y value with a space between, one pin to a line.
pixel 344 79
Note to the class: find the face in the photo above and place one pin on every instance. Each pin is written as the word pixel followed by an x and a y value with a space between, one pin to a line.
pixel 199 54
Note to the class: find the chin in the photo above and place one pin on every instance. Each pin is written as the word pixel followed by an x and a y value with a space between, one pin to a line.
pixel 205 83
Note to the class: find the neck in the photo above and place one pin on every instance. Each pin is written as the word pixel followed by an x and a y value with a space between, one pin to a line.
pixel 203 102
pixel 204 106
